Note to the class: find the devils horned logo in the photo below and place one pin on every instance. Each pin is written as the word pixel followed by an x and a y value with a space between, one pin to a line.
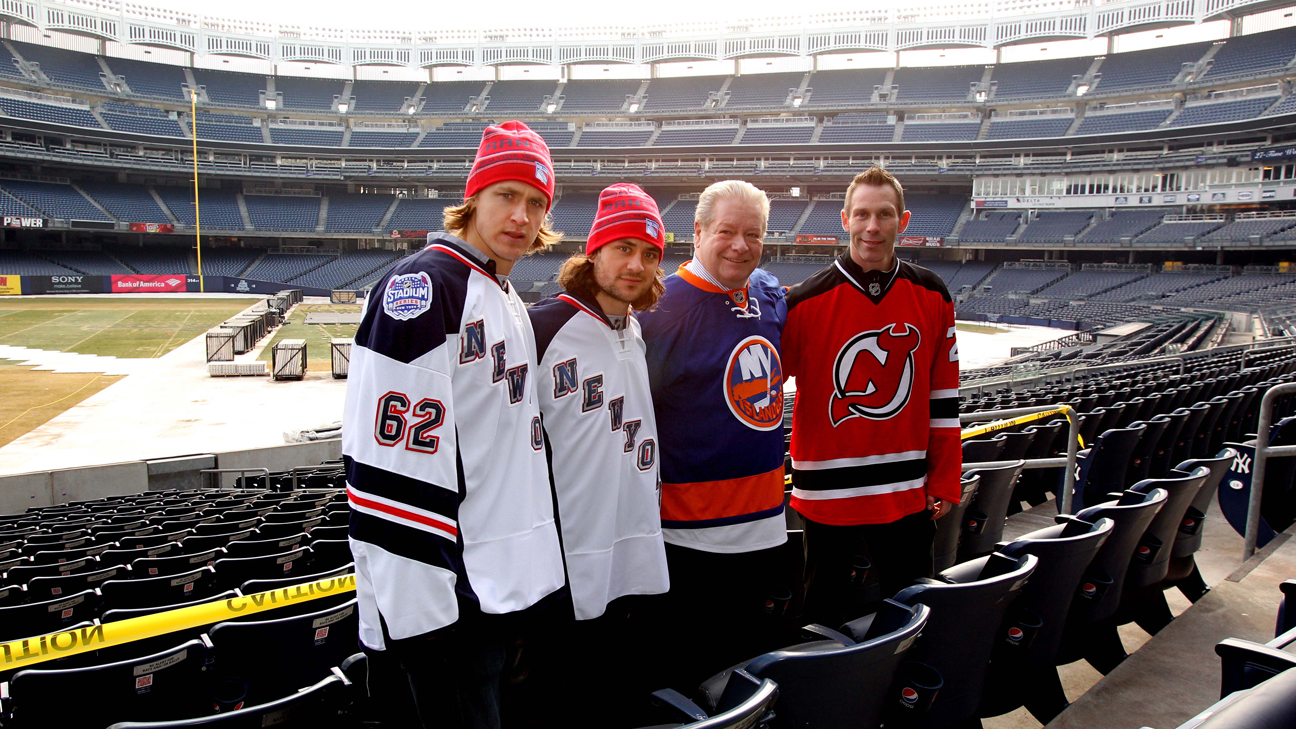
pixel 874 373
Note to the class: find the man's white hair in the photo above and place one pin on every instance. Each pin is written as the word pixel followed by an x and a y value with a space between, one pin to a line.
pixel 744 191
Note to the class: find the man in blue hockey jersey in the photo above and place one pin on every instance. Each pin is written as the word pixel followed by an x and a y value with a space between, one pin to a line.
pixel 452 524
pixel 602 437
pixel 717 387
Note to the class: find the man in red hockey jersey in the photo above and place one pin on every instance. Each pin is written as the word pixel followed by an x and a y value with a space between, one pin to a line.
pixel 875 430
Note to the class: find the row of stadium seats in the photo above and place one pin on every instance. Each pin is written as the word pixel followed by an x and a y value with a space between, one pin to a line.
pixel 1158 440
pixel 235 128
pixel 1238 58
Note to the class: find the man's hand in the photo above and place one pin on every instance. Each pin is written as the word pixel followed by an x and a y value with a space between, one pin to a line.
pixel 936 507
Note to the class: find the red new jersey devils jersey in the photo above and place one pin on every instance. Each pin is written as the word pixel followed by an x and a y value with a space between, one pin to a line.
pixel 875 426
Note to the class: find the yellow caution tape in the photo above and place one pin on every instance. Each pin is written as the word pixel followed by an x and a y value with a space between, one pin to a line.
pixel 30 651
pixel 1005 424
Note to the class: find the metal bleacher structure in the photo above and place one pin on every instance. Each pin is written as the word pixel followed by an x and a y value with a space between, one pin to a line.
pixel 98 139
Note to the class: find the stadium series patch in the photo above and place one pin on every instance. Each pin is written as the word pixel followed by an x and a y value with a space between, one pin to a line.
pixel 408 296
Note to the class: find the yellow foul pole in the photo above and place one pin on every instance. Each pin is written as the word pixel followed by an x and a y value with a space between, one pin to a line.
pixel 193 124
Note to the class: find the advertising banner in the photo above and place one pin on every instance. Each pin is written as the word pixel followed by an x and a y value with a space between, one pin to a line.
pixel 152 228
pixel 803 239
pixel 920 241
pixel 16 221
pixel 10 285
pixel 142 283
pixel 409 234
pixel 68 284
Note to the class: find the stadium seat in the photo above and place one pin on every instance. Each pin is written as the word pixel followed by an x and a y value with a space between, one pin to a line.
pixel 1183 572
pixel 957 648
pixel 329 532
pixel 147 646
pixel 232 572
pixel 1100 591
pixel 950 527
pixel 262 547
pixel 174 565
pixel 289 528
pixel 327 554
pixel 226 527
pixel 163 590
pixel 49 588
pixel 153 540
pixel 983 521
pixel 1140 462
pixel 167 685
pixel 309 708
pixel 1162 458
pixel 48 616
pixel 841 679
pixel 20 574
pixel 292 652
pixel 279 516
pixel 984 450
pixel 1286 608
pixel 126 556
pixel 1065 552
pixel 197 544
pixel 12 595
pixel 1102 467
pixel 753 711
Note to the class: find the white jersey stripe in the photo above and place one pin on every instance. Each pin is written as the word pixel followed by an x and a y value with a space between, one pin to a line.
pixel 945 422
pixel 941 394
pixel 859 461
pixel 887 488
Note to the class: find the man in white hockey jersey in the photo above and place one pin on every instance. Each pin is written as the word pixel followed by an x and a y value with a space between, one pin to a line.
pixel 452 524
pixel 601 431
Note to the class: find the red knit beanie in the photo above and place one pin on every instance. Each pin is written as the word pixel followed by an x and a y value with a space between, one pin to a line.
pixel 511 151
pixel 626 211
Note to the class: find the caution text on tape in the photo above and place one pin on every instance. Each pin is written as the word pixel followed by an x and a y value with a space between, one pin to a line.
pixel 38 649
pixel 999 425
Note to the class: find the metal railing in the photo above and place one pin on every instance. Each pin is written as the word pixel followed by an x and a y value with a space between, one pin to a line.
pixel 1069 462
pixel 1134 363
pixel 1263 452
pixel 203 473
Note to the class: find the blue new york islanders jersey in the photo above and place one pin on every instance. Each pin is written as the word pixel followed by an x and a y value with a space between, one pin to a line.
pixel 717 387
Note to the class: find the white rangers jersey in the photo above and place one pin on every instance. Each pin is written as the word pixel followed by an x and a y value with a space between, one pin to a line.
pixel 446 470
pixel 598 419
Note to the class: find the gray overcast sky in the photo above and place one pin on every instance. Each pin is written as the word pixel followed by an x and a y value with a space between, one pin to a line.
pixel 390 15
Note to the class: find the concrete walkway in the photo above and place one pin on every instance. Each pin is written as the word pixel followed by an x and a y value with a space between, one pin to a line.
pixel 1176 675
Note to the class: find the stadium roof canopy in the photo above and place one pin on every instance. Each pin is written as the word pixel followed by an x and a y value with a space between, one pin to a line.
pixel 901 26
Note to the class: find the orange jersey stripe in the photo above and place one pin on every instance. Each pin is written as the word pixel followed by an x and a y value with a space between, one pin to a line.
pixel 705 500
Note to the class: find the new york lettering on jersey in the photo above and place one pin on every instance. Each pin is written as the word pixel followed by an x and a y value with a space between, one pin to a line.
pixel 717 378
pixel 602 435
pixel 441 422
pixel 875 423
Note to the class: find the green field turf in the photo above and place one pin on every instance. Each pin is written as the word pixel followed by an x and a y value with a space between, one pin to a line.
pixel 114 326
pixel 319 356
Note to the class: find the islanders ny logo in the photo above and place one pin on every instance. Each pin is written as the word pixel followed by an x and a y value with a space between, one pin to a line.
pixel 408 295
pixel 753 384
pixel 874 374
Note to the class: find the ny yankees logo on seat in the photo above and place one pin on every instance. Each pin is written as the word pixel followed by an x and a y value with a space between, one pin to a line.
pixel 874 373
